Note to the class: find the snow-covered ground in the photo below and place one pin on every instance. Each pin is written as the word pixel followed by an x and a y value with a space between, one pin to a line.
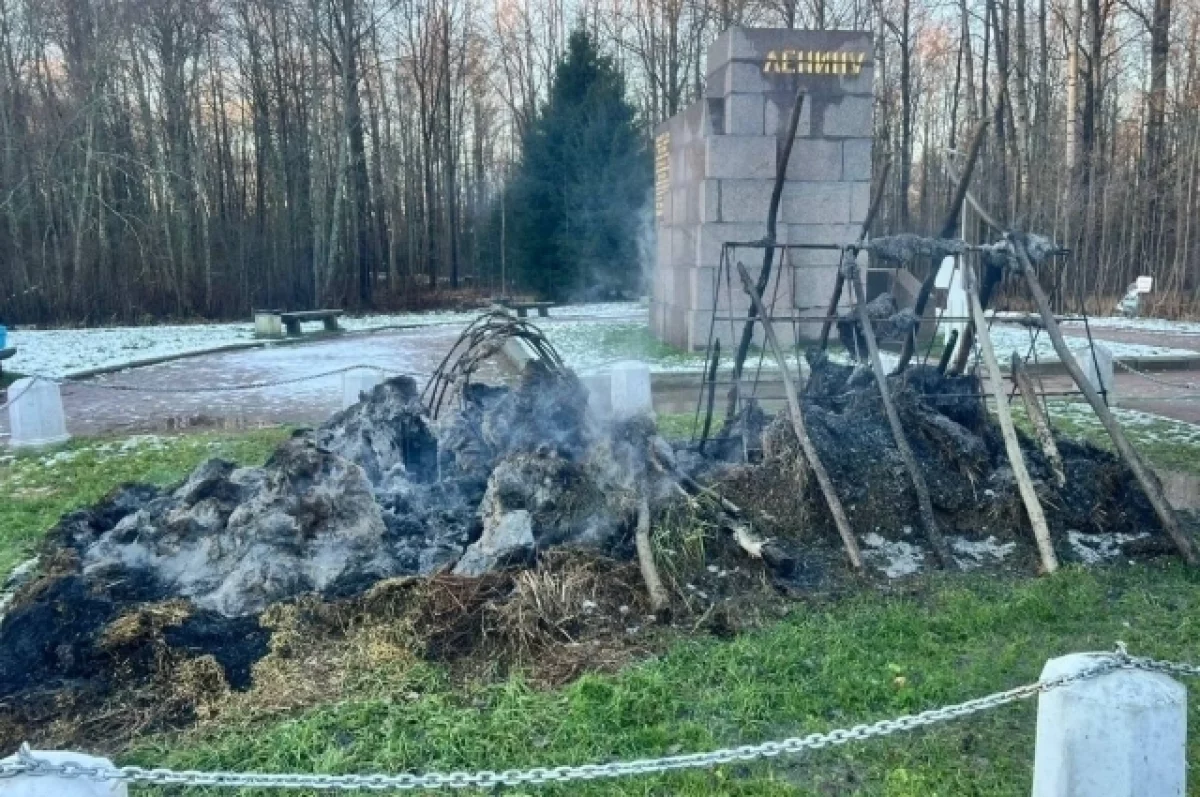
pixel 587 335
pixel 1144 428
pixel 1007 338
pixel 62 352
pixel 1140 325
pixel 592 343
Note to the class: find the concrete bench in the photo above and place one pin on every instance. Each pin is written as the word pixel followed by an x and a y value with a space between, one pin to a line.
pixel 4 355
pixel 272 323
pixel 523 308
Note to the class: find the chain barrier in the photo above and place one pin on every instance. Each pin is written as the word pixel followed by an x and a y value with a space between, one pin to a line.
pixel 1157 380
pixel 27 763
pixel 91 384
pixel 11 400
pixel 245 386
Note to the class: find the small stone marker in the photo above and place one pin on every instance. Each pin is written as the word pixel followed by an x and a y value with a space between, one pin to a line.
pixel 1099 370
pixel 599 390
pixel 268 324
pixel 1122 734
pixel 357 382
pixel 631 390
pixel 35 416
pixel 51 786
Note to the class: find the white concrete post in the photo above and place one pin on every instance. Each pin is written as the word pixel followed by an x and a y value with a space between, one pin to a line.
pixel 1099 370
pixel 36 416
pixel 1121 734
pixel 357 382
pixel 599 390
pixel 630 386
pixel 51 786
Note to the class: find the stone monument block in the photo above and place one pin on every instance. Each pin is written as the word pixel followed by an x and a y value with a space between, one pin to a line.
pixel 744 114
pixel 815 203
pixel 856 159
pixel 740 157
pixel 815 159
pixel 716 165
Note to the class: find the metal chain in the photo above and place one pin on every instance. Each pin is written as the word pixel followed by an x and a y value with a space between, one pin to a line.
pixel 214 389
pixel 11 400
pixel 29 764
pixel 244 386
pixel 1155 379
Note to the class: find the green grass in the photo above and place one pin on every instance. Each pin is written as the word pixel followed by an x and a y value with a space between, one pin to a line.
pixel 37 488
pixel 825 665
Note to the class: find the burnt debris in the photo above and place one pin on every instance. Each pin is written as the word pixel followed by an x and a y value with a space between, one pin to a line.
pixel 385 490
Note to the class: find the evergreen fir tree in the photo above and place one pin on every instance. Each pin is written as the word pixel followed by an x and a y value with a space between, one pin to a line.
pixel 582 184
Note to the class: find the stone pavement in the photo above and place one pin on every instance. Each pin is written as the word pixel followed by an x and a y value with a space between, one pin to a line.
pixel 92 409
pixel 1174 340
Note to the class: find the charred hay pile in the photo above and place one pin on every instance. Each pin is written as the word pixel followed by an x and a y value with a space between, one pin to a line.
pixel 150 583
pixel 962 457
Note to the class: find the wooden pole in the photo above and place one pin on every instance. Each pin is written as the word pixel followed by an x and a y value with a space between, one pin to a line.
pixel 946 352
pixel 712 394
pixel 1012 446
pixel 924 504
pixel 806 444
pixel 840 280
pixel 1037 416
pixel 764 275
pixel 1148 482
pixel 645 552
pixel 949 225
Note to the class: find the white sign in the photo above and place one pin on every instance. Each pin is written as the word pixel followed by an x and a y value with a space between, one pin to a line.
pixel 1145 284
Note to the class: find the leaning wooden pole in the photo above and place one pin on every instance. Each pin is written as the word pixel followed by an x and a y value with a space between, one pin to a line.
pixel 1012 446
pixel 949 225
pixel 1037 417
pixel 1149 484
pixel 659 601
pixel 840 280
pixel 924 504
pixel 764 275
pixel 806 444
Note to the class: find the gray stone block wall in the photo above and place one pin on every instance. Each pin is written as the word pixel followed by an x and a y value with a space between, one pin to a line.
pixel 723 151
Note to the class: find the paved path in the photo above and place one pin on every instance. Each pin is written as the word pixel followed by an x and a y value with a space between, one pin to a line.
pixel 1174 340
pixel 92 409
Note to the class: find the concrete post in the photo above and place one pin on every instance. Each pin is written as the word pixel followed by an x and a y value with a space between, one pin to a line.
pixel 357 382
pixel 1122 734
pixel 1098 369
pixel 630 385
pixel 50 786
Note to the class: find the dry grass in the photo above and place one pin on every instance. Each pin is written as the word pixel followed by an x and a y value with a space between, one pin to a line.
pixel 144 624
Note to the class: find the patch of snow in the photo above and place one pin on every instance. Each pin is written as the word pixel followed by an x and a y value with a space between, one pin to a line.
pixel 1139 324
pixel 59 353
pixel 893 559
pixel 976 553
pixel 1098 548
pixel 62 457
pixel 1007 338
pixel 19 577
